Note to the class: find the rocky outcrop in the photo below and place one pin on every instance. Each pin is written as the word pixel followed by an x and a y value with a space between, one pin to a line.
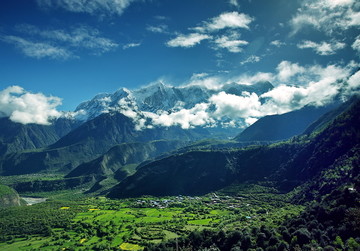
pixel 9 197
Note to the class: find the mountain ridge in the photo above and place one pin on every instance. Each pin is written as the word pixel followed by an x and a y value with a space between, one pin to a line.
pixel 283 126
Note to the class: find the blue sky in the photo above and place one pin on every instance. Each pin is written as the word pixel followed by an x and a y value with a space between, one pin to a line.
pixel 74 49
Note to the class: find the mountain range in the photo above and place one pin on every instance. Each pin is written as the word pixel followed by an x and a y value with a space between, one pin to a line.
pixel 105 142
pixel 160 97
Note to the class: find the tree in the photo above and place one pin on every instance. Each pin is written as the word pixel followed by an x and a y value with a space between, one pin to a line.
pixel 352 244
pixel 338 243
pixel 303 236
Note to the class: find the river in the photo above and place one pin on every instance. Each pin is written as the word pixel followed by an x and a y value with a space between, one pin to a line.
pixel 32 200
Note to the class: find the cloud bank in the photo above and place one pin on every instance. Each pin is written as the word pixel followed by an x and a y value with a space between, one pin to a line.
pixel 24 107
pixel 295 87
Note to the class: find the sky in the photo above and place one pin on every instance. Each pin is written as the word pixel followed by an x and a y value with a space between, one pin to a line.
pixel 55 54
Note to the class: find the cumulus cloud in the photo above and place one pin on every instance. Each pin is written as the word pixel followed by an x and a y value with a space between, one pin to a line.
pixel 92 7
pixel 287 98
pixel 286 70
pixel 234 106
pixel 323 48
pixel 230 42
pixel 186 118
pixel 25 107
pixel 38 49
pixel 320 86
pixel 354 81
pixel 187 41
pixel 231 20
pixel 326 15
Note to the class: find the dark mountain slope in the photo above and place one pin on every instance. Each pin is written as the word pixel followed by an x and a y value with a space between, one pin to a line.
pixel 200 172
pixel 87 142
pixel 191 173
pixel 114 128
pixel 284 126
pixel 328 117
pixel 339 140
pixel 60 160
pixel 15 137
pixel 288 164
pixel 122 155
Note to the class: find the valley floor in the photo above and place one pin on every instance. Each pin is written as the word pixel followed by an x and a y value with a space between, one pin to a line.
pixel 98 223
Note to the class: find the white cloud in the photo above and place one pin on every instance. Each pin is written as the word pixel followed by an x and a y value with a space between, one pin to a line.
pixel 354 81
pixel 287 98
pixel 83 37
pixel 251 59
pixel 253 79
pixel 356 44
pixel 295 87
pixel 320 86
pixel 249 121
pixel 92 7
pixel 234 106
pixel 354 18
pixel 187 41
pixel 131 45
pixel 186 118
pixel 38 50
pixel 161 28
pixel 203 80
pixel 323 48
pixel 326 15
pixel 230 43
pixel 25 107
pixel 286 70
pixel 277 43
pixel 325 84
pixel 232 20
pixel 59 44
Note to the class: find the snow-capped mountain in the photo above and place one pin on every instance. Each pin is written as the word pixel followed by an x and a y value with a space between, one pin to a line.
pixel 159 97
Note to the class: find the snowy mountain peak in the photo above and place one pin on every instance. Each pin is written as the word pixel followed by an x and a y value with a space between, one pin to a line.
pixel 170 102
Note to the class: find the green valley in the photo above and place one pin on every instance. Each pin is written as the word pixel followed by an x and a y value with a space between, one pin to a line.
pixel 99 223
